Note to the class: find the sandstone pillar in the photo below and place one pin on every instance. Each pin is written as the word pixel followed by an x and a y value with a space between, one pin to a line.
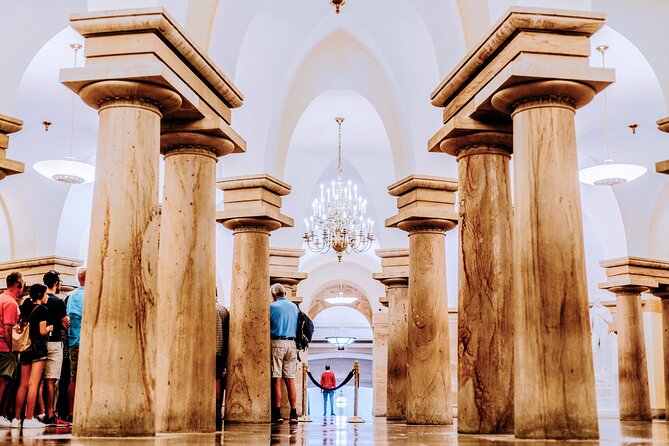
pixel 533 66
pixel 485 315
pixel 395 276
pixel 116 379
pixel 144 76
pixel 651 313
pixel 634 393
pixel 283 268
pixel 380 363
pixel 8 125
pixel 251 210
pixel 663 293
pixel 187 283
pixel 426 212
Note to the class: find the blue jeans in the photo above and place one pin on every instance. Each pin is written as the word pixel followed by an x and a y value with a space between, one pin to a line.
pixel 326 394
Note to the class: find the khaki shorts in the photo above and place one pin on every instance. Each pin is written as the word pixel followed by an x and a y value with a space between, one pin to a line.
pixel 54 360
pixel 284 358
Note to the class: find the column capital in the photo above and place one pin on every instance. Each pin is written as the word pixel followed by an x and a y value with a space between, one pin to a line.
pixel 424 202
pixel 253 200
pixel 34 268
pixel 122 93
pixel 394 267
pixel 525 45
pixel 635 271
pixel 148 45
pixel 8 125
pixel 283 269
pixel 195 143
pixel 663 166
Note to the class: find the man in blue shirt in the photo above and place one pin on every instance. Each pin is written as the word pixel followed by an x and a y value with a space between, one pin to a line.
pixel 75 310
pixel 283 328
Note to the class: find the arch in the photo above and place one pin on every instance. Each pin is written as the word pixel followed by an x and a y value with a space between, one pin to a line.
pixel 330 289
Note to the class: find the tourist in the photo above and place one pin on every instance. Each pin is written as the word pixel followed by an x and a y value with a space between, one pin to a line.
pixel 58 319
pixel 75 311
pixel 222 332
pixel 9 315
pixel 328 382
pixel 283 327
pixel 35 311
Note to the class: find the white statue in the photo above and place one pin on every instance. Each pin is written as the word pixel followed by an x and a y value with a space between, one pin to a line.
pixel 600 318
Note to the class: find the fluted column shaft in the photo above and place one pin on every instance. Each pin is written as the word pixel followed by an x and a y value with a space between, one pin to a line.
pixel 185 397
pixel 248 393
pixel 428 377
pixel 633 389
pixel 555 395
pixel 116 379
pixel 398 310
pixel 485 316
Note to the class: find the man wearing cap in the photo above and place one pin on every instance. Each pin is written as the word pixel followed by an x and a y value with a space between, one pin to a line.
pixel 283 327
pixel 9 315
pixel 54 360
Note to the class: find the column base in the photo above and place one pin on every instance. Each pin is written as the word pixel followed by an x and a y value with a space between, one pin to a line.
pixel 355 419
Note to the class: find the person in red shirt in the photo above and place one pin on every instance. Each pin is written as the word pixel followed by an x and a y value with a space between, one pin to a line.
pixel 9 315
pixel 329 382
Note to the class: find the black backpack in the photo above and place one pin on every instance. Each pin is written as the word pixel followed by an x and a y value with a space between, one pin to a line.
pixel 305 330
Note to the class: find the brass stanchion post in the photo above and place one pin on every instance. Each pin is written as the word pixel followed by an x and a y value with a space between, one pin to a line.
pixel 304 418
pixel 356 370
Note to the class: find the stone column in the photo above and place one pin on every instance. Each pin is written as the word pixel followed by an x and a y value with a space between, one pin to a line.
pixel 185 397
pixel 251 210
pixel 549 260
pixel 380 363
pixel 485 316
pixel 116 379
pixel 426 212
pixel 533 66
pixel 634 394
pixel 144 76
pixel 395 276
pixel 8 125
pixel 663 293
pixel 283 269
pixel 651 314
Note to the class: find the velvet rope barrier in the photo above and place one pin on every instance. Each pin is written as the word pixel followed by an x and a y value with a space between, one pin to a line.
pixel 317 384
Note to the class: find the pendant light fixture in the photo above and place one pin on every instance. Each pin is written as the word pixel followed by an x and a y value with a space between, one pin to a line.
pixel 67 171
pixel 610 173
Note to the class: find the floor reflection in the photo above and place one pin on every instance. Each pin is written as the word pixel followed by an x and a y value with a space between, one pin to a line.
pixel 336 431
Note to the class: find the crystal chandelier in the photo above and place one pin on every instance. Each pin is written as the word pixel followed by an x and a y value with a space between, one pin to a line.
pixel 67 171
pixel 338 218
pixel 610 173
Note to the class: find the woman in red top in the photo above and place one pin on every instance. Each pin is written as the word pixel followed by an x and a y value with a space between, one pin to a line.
pixel 328 381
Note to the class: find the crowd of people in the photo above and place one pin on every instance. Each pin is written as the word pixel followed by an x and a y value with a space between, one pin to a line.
pixel 42 378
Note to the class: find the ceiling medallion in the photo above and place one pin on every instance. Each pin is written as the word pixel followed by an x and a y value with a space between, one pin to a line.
pixel 338 4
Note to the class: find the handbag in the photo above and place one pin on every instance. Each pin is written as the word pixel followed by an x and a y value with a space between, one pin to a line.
pixel 21 335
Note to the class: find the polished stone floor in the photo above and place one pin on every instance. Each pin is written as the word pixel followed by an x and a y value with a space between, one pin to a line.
pixel 336 431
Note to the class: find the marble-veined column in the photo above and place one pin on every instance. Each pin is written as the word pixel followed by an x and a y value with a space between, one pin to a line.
pixel 116 377
pixel 485 283
pixel 555 391
pixel 425 206
pixel 251 211
pixel 185 396
pixel 633 390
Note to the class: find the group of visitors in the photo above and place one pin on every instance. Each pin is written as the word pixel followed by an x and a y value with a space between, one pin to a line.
pixel 29 379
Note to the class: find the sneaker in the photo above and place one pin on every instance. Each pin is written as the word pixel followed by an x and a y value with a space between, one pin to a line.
pixel 41 416
pixel 32 423
pixel 5 423
pixel 293 416
pixel 276 415
pixel 49 421
pixel 333 415
pixel 16 424
pixel 61 423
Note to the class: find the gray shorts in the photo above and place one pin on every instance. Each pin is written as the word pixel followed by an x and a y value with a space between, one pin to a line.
pixel 7 364
pixel 54 360
pixel 284 358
